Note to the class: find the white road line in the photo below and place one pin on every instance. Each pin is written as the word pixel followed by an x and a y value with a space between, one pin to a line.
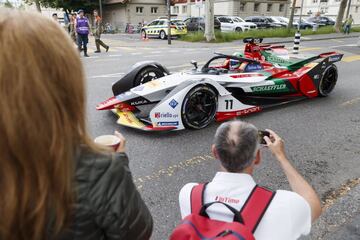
pixel 150 56
pixel 115 55
pixel 136 53
pixel 174 51
pixel 108 75
pixel 156 52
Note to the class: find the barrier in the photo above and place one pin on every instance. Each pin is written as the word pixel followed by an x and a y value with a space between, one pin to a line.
pixel 297 42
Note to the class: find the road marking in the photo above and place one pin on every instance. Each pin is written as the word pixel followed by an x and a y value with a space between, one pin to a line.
pixel 136 53
pixel 108 75
pixel 115 55
pixel 174 51
pixel 305 49
pixel 170 170
pixel 150 56
pixel 351 58
pixel 336 40
pixel 350 102
pixel 130 49
pixel 156 52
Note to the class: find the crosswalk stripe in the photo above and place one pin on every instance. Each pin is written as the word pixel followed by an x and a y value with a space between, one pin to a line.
pixel 351 58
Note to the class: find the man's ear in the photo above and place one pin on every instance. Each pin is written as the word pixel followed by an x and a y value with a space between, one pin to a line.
pixel 258 157
pixel 214 152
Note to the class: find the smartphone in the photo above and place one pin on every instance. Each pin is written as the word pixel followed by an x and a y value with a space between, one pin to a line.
pixel 262 134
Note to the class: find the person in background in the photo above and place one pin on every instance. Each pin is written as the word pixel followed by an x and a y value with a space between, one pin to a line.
pixel 237 147
pixel 55 182
pixel 349 21
pixel 97 33
pixel 82 30
pixel 55 17
pixel 72 28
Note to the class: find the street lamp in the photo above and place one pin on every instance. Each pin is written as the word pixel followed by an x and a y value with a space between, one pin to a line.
pixel 100 8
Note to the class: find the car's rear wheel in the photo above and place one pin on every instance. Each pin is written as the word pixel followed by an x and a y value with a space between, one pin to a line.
pixel 162 35
pixel 148 74
pixel 199 107
pixel 238 29
pixel 328 81
pixel 143 34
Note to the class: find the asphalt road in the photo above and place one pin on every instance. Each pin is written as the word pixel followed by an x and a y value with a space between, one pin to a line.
pixel 322 135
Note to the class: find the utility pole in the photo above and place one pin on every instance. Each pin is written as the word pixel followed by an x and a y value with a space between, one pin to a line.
pixel 301 9
pixel 100 8
pixel 209 20
pixel 169 22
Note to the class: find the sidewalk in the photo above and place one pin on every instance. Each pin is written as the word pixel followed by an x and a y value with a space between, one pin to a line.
pixel 134 40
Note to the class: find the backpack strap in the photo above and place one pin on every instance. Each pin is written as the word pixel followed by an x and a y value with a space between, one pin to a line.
pixel 255 207
pixel 197 197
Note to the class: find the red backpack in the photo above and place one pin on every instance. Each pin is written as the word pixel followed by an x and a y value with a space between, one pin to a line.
pixel 198 225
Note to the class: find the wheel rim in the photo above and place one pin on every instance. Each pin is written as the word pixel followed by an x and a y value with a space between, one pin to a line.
pixel 162 35
pixel 143 34
pixel 329 81
pixel 148 76
pixel 200 108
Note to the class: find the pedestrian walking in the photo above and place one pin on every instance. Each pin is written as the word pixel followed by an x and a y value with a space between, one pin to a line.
pixel 349 21
pixel 82 30
pixel 97 33
pixel 72 28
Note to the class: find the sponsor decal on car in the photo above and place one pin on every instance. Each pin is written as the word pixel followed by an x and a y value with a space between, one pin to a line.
pixel 248 111
pixel 270 88
pixel 335 58
pixel 139 102
pixel 167 124
pixel 173 103
pixel 166 115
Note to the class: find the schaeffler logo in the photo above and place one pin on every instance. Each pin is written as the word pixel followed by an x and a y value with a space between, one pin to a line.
pixel 271 88
pixel 166 115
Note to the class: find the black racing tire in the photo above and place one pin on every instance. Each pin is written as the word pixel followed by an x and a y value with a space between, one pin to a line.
pixel 143 34
pixel 328 81
pixel 162 35
pixel 148 74
pixel 238 29
pixel 199 107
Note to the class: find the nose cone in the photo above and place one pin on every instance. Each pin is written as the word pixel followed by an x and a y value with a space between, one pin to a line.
pixel 108 104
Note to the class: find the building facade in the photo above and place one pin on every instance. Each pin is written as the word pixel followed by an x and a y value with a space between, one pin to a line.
pixel 242 8
pixel 329 8
pixel 122 12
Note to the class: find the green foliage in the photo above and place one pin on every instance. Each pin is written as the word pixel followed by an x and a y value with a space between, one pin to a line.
pixel 261 33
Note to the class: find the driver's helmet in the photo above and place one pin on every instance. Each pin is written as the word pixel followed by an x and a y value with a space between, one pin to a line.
pixel 235 64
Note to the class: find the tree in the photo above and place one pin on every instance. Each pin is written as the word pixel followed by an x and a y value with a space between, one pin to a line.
pixel 38 6
pixel 8 4
pixel 209 20
pixel 291 18
pixel 67 5
pixel 340 15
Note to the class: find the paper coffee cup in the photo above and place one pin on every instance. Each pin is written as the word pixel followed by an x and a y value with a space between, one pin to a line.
pixel 110 141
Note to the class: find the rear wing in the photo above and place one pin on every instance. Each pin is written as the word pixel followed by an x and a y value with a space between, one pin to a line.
pixel 330 57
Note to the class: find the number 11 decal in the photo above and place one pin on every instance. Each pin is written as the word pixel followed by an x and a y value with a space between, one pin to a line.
pixel 229 104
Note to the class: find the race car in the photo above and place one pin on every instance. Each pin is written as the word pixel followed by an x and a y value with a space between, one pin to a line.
pixel 149 98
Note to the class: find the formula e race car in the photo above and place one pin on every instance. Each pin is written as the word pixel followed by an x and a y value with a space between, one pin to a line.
pixel 149 98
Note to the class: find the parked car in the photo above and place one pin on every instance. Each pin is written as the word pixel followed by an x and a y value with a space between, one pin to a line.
pixel 281 19
pixel 304 24
pixel 276 22
pixel 261 22
pixel 240 20
pixel 322 21
pixel 228 24
pixel 198 24
pixel 159 28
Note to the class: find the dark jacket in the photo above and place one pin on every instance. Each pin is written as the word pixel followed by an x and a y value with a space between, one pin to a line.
pixel 108 204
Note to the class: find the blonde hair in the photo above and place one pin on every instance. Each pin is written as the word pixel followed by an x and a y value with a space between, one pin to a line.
pixel 42 124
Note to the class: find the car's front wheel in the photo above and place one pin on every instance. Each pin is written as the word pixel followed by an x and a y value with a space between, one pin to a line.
pixel 143 34
pixel 148 74
pixel 162 35
pixel 328 80
pixel 238 29
pixel 199 107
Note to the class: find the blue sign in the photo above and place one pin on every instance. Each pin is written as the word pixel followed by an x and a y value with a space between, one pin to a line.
pixel 173 103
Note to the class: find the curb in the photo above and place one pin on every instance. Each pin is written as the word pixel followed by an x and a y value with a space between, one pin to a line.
pixel 314 39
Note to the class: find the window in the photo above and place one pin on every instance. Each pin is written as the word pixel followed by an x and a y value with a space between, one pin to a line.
pixel 153 23
pixel 176 9
pixel 242 7
pixel 269 7
pixel 356 9
pixel 315 1
pixel 139 9
pixel 281 7
pixel 184 9
pixel 154 10
pixel 256 7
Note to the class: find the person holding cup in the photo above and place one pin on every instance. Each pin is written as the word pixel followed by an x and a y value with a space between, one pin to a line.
pixel 56 183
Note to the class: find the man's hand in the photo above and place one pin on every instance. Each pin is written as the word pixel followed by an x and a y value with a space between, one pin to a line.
pixel 121 148
pixel 276 145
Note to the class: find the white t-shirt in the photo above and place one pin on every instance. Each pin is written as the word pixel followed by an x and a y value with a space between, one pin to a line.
pixel 287 217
